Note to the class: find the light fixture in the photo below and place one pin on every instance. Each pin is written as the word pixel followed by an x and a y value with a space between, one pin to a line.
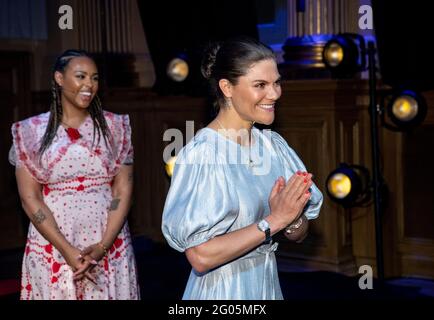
pixel 349 185
pixel 406 109
pixel 345 54
pixel 178 73
pixel 177 69
pixel 170 165
pixel 333 54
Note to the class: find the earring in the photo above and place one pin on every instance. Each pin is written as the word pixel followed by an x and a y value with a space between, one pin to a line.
pixel 228 103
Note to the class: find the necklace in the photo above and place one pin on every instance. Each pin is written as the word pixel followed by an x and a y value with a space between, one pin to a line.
pixel 251 163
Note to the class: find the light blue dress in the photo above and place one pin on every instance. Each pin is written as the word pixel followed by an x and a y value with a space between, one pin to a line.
pixel 214 191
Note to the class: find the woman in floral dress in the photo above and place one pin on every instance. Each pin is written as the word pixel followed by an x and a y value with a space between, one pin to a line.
pixel 74 174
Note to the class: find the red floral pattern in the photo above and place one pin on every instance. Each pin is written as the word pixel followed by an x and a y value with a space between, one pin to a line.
pixel 76 179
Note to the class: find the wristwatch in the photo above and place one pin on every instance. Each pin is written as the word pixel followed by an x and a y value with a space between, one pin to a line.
pixel 265 227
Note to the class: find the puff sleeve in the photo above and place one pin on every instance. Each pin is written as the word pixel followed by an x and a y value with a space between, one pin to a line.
pixel 123 147
pixel 13 157
pixel 26 137
pixel 291 164
pixel 200 203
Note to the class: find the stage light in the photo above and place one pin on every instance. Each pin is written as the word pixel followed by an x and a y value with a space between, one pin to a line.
pixel 349 185
pixel 333 54
pixel 339 185
pixel 345 54
pixel 178 73
pixel 170 165
pixel 177 69
pixel 353 60
pixel 406 109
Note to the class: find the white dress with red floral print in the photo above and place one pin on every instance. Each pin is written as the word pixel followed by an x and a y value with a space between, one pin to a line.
pixel 76 173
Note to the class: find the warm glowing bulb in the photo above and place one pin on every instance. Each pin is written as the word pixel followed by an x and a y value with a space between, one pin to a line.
pixel 339 185
pixel 334 54
pixel 405 108
pixel 177 69
pixel 170 165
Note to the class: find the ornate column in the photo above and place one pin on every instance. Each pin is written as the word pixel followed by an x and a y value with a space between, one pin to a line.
pixel 322 16
pixel 118 33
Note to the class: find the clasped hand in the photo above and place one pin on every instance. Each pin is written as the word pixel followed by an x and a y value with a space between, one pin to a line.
pixel 287 200
pixel 84 261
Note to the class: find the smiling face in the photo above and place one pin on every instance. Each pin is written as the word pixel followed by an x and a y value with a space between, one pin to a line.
pixel 79 82
pixel 255 94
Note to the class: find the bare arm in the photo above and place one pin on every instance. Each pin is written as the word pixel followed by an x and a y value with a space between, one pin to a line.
pixel 121 202
pixel 120 205
pixel 229 246
pixel 286 203
pixel 38 212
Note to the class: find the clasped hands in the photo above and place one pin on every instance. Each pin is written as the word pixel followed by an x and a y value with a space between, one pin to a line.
pixel 287 201
pixel 83 262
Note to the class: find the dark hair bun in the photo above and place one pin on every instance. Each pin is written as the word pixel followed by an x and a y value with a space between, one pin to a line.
pixel 209 58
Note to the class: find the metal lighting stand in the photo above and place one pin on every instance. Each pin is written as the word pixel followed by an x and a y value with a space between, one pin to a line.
pixel 377 178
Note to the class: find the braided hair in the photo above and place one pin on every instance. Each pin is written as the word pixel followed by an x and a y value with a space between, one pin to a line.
pixel 94 109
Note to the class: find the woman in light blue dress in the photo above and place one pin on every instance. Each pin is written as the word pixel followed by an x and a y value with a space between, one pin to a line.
pixel 235 186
